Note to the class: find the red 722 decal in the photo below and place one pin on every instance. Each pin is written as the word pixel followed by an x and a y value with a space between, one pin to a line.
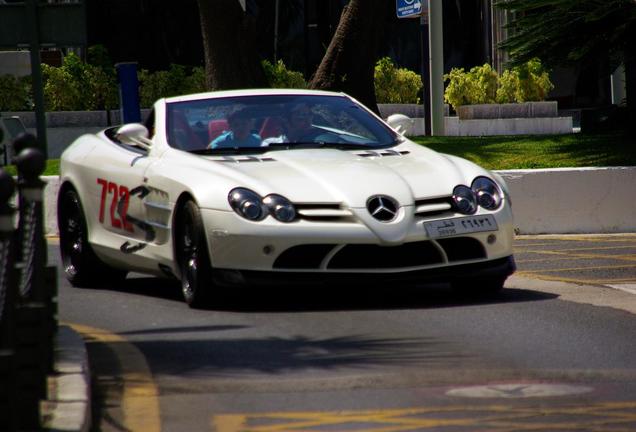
pixel 115 194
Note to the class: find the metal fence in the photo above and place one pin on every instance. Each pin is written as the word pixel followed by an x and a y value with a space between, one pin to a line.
pixel 28 292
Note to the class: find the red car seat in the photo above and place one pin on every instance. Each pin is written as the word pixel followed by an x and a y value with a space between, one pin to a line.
pixel 216 128
pixel 272 127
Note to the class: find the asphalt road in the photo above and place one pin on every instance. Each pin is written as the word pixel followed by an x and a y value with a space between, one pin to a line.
pixel 541 356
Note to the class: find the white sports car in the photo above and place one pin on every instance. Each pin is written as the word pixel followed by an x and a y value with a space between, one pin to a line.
pixel 259 186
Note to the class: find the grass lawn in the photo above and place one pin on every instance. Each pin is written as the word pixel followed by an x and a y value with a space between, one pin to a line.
pixel 518 152
pixel 546 151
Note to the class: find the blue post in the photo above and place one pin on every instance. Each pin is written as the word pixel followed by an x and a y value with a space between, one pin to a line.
pixel 128 92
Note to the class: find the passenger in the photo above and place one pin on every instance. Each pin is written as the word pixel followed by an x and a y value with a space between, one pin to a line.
pixel 300 127
pixel 239 135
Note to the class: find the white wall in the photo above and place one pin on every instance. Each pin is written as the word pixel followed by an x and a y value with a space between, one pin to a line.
pixel 569 200
pixel 544 201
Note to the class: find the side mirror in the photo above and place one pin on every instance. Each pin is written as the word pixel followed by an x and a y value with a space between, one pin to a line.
pixel 400 123
pixel 134 134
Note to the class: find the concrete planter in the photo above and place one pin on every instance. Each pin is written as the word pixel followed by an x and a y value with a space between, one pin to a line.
pixel 508 111
pixel 409 110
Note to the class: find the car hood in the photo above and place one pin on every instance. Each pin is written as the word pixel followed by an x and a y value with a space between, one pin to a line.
pixel 407 173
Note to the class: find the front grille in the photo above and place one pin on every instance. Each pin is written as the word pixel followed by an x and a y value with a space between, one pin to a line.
pixel 462 248
pixel 303 256
pixel 361 256
pixel 369 256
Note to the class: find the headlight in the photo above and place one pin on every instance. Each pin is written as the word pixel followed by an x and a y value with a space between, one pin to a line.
pixel 488 194
pixel 247 204
pixel 280 207
pixel 464 199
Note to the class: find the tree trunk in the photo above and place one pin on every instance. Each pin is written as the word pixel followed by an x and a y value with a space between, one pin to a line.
pixel 231 61
pixel 349 63
pixel 630 87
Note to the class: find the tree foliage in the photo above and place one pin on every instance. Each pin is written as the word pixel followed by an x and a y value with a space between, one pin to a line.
pixel 569 31
pixel 576 32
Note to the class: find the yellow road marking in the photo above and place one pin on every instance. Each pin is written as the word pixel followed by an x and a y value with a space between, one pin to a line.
pixel 608 267
pixel 139 402
pixel 551 259
pixel 584 256
pixel 577 280
pixel 600 416
pixel 604 238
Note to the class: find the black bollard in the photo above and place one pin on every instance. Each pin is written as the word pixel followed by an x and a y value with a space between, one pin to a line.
pixel 34 331
pixel 8 295
pixel 31 163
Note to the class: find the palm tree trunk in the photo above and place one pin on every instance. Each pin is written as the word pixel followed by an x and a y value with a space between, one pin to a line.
pixel 349 63
pixel 231 61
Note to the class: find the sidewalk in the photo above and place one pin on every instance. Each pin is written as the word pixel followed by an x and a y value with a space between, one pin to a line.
pixel 68 407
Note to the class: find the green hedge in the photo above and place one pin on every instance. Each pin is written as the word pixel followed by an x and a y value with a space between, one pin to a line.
pixel 396 85
pixel 482 85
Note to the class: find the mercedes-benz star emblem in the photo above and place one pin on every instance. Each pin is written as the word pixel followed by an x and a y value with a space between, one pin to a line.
pixel 383 208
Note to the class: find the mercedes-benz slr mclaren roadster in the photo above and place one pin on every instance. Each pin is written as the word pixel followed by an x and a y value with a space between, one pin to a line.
pixel 260 186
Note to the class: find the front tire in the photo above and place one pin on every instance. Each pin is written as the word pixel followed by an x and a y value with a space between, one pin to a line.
pixel 193 257
pixel 81 266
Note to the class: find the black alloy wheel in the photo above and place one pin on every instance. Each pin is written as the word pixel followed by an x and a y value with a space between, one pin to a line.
pixel 81 266
pixel 192 257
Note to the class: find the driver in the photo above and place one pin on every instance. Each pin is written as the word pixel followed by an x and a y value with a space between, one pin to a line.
pixel 240 133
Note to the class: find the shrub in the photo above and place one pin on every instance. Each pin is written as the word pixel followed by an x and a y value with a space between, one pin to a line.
pixel 535 82
pixel 15 93
pixel 528 82
pixel 460 89
pixel 395 85
pixel 508 86
pixel 278 76
pixel 177 80
pixel 78 86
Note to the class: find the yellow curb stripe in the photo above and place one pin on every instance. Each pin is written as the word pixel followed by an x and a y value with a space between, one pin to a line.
pixel 140 396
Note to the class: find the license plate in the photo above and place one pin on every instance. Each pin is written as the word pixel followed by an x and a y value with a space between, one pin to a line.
pixel 463 225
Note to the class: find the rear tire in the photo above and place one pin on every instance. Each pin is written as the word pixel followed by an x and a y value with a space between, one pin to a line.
pixel 192 255
pixel 81 266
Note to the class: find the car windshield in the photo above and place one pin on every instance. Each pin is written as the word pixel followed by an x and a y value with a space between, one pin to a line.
pixel 261 123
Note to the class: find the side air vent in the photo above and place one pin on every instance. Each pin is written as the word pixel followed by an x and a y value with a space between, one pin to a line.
pixel 242 159
pixel 382 153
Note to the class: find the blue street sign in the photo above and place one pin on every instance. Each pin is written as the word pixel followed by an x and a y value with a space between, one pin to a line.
pixel 408 8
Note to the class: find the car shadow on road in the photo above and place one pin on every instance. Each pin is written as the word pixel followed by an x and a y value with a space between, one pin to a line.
pixel 308 298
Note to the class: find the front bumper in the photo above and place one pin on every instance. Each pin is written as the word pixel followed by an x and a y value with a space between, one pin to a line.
pixel 498 268
pixel 354 246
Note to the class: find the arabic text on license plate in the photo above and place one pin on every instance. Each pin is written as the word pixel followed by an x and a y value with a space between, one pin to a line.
pixel 451 227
